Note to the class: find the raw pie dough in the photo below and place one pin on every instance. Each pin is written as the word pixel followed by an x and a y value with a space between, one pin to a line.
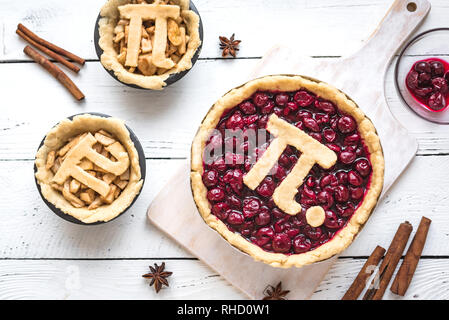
pixel 286 83
pixel 60 135
pixel 110 15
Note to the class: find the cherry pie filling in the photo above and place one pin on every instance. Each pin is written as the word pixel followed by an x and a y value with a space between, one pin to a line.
pixel 253 214
pixel 428 83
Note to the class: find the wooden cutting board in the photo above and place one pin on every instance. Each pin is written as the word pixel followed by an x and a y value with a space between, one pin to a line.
pixel 361 77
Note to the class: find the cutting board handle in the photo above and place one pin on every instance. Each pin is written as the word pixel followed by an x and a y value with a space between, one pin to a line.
pixel 398 24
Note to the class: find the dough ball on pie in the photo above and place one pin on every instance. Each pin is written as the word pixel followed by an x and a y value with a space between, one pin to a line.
pixel 315 216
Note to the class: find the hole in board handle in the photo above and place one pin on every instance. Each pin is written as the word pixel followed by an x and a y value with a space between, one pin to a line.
pixel 411 7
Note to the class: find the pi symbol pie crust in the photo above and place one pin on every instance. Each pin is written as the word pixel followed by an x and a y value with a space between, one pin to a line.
pixel 287 169
pixel 88 167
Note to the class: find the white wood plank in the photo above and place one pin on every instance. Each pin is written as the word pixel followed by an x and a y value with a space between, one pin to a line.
pixel 108 279
pixel 430 282
pixel 30 230
pixel 254 21
pixel 121 279
pixel 165 122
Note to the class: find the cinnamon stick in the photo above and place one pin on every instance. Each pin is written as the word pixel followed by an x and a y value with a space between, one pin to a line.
pixel 54 71
pixel 367 270
pixel 388 265
pixel 50 45
pixel 48 52
pixel 408 266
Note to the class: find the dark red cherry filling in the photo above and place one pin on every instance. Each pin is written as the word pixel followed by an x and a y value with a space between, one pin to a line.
pixel 253 214
pixel 428 83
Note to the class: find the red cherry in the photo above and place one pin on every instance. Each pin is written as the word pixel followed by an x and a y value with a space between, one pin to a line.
pixel 325 106
pixel 251 207
pixel 412 80
pixel 310 182
pixel 262 123
pixel 345 211
pixel 352 140
pixel 325 199
pixel 220 210
pixel 329 179
pixel 316 136
pixel 210 178
pixel 219 165
pixel 331 220
pixel 342 177
pixel 284 161
pixel 260 99
pixel 247 107
pixel 266 188
pixel 235 217
pixel 234 201
pixel 292 106
pixel 439 84
pixel 263 218
pixel 307 192
pixel 311 124
pixel 363 167
pixel 346 124
pixel 333 147
pixel 281 243
pixel 354 178
pixel 292 232
pixel 322 118
pixel 341 193
pixel 424 78
pixel 301 244
pixel 423 92
pixel 329 134
pixel 437 101
pixel 277 213
pixel 313 233
pixel 422 66
pixel 437 68
pixel 216 194
pixel 300 125
pixel 347 156
pixel 267 108
pixel 356 192
pixel 250 119
pixel 282 99
pixel 303 98
pixel 279 172
pixel 304 114
pixel 235 121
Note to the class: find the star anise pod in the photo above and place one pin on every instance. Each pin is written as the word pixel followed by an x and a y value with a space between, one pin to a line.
pixel 158 276
pixel 272 293
pixel 229 46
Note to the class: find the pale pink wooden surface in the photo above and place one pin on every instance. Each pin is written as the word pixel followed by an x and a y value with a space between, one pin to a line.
pixel 361 77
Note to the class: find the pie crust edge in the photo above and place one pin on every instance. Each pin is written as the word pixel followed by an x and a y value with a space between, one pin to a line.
pixel 366 129
pixel 58 136
pixel 109 14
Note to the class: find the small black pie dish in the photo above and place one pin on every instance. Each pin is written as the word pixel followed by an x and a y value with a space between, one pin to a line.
pixel 171 78
pixel 142 165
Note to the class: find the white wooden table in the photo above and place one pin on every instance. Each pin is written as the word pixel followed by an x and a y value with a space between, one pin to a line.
pixel 43 256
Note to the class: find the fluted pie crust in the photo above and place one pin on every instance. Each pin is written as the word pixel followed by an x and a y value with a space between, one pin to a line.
pixel 58 137
pixel 288 83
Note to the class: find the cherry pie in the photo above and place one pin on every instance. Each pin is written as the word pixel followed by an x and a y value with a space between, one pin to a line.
pixel 89 168
pixel 286 169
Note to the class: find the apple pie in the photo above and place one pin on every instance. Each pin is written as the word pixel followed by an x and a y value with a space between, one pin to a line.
pixel 88 167
pixel 146 41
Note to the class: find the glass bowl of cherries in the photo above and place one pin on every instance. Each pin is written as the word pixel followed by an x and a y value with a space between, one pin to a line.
pixel 422 75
